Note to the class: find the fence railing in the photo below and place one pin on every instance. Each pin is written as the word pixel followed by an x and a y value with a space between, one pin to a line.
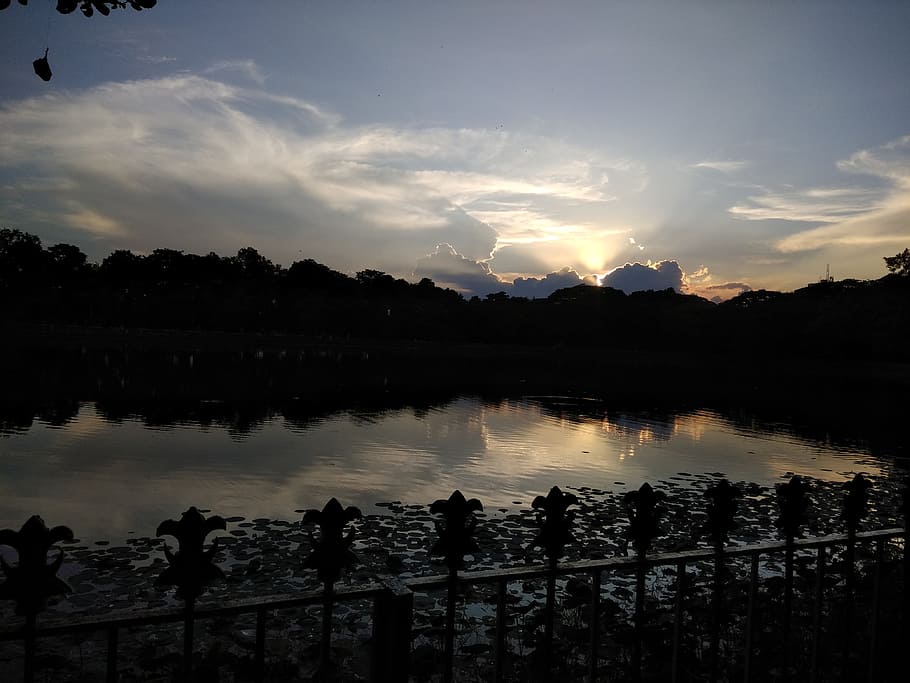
pixel 393 600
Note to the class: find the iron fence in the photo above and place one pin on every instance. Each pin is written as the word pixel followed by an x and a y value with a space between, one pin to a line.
pixel 392 614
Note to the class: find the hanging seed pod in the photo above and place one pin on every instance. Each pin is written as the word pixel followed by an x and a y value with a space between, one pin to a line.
pixel 42 68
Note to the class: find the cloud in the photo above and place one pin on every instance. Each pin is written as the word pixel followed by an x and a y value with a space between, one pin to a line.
pixel 742 286
pixel 539 288
pixel 195 163
pixel 668 274
pixel 723 166
pixel 864 217
pixel 156 59
pixel 815 205
pixel 246 67
pixel 723 291
pixel 888 226
pixel 890 161
pixel 447 268
pixel 636 277
pixel 885 221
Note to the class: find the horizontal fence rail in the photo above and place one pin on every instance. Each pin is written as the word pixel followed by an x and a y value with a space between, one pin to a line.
pixel 402 592
pixel 393 605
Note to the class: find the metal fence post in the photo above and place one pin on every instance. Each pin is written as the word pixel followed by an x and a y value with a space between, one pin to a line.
pixel 595 626
pixel 876 596
pixel 260 645
pixel 817 612
pixel 502 587
pixel 750 618
pixel 112 638
pixel 392 619
pixel 678 619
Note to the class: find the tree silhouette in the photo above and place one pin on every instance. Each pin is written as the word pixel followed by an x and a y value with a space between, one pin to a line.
pixel 21 256
pixel 89 7
pixel 67 261
pixel 170 289
pixel 899 264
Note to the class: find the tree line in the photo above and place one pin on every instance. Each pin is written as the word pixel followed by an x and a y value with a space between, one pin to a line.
pixel 169 289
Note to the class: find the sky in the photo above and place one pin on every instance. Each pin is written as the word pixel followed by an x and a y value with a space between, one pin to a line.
pixel 511 146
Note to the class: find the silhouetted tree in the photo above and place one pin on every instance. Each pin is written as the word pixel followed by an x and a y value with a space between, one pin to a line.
pixel 171 289
pixel 89 7
pixel 166 266
pixel 309 274
pixel 67 261
pixel 21 256
pixel 375 281
pixel 254 265
pixel 120 267
pixel 899 264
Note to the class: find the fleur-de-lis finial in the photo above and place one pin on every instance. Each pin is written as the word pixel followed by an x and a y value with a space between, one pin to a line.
pixel 555 521
pixel 793 501
pixel 32 581
pixel 456 532
pixel 644 514
pixel 191 567
pixel 856 501
pixel 332 552
pixel 722 506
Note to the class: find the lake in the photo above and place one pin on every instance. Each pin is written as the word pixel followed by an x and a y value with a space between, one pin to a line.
pixel 109 473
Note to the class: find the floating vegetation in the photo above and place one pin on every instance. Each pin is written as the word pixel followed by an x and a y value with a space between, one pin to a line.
pixel 263 557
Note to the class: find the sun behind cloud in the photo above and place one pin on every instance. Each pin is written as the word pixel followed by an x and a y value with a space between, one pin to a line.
pixel 193 163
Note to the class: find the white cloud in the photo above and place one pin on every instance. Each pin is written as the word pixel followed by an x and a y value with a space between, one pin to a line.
pixel 887 227
pixel 539 288
pixel 883 219
pixel 636 277
pixel 447 268
pixel 861 218
pixel 156 59
pixel 247 67
pixel 89 220
pixel 890 161
pixel 194 163
pixel 816 205
pixel 723 166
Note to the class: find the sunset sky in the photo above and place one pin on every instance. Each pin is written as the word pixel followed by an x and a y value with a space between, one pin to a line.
pixel 726 144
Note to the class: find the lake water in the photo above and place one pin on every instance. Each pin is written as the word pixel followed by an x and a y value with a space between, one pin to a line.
pixel 110 477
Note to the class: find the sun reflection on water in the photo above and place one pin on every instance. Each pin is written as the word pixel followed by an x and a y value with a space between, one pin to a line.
pixel 82 472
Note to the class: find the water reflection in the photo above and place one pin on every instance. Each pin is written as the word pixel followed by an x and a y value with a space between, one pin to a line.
pixel 107 469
